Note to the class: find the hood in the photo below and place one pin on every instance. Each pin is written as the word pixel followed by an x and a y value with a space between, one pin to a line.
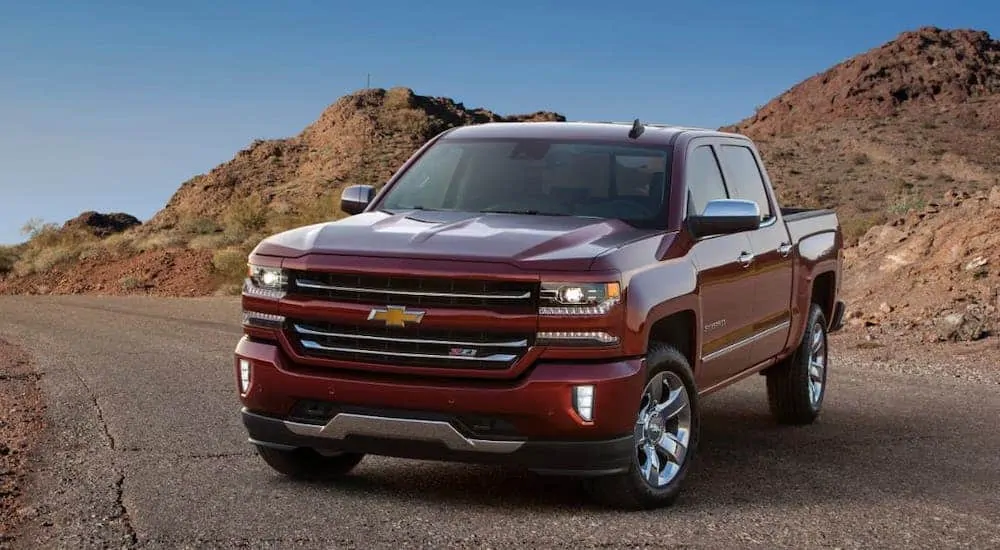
pixel 525 241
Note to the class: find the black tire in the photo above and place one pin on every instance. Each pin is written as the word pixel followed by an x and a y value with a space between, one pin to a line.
pixel 788 383
pixel 630 490
pixel 307 464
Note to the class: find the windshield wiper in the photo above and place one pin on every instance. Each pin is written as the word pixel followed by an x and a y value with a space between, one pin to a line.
pixel 526 212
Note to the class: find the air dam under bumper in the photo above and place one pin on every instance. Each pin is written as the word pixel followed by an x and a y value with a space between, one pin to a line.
pixel 529 421
pixel 436 440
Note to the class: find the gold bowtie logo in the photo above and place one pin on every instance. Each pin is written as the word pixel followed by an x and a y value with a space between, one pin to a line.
pixel 395 316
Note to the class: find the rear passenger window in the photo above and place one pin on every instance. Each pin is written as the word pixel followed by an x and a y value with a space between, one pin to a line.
pixel 744 177
pixel 704 180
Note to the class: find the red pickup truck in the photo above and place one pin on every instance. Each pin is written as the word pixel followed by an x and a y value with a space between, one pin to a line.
pixel 558 296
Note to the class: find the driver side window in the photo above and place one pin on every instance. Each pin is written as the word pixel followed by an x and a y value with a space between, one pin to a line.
pixel 704 178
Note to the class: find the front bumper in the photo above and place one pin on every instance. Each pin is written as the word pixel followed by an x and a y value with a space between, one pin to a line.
pixel 527 422
pixel 433 440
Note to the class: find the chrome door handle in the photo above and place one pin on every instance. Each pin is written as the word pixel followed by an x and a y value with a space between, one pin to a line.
pixel 784 249
pixel 746 259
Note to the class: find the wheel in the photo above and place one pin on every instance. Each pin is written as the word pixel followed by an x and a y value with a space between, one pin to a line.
pixel 665 437
pixel 797 385
pixel 309 464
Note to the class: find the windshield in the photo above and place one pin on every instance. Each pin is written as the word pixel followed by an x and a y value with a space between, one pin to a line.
pixel 536 177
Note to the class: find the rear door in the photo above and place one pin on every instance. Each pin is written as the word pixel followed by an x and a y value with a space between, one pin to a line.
pixel 725 286
pixel 772 249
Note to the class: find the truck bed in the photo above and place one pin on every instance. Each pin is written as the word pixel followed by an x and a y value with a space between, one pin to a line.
pixel 804 222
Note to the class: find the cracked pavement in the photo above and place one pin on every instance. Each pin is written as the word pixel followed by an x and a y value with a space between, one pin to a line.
pixel 146 450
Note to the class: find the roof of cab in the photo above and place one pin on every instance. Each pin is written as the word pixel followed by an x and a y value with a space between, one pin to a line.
pixel 654 134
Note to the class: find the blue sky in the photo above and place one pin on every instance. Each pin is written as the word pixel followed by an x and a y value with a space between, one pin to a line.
pixel 111 106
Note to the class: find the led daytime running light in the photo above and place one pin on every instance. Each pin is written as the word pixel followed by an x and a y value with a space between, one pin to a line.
pixel 576 338
pixel 263 320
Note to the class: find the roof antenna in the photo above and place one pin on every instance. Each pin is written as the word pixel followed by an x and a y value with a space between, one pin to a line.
pixel 637 129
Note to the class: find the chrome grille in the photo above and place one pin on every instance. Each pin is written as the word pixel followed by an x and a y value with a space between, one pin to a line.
pixel 416 291
pixel 418 347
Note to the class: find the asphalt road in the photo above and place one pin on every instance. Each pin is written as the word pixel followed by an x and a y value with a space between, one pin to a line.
pixel 146 450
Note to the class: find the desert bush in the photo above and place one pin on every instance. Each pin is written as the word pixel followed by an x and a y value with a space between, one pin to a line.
pixel 156 241
pixel 231 263
pixel 855 227
pixel 907 203
pixel 37 260
pixel 49 246
pixel 307 212
pixel 209 242
pixel 129 283
pixel 199 226
pixel 8 257
pixel 860 159
pixel 246 216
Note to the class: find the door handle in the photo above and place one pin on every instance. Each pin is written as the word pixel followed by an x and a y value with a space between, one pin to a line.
pixel 746 259
pixel 784 249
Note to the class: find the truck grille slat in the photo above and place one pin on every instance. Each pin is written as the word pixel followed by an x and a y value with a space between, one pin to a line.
pixel 306 283
pixel 510 344
pixel 506 296
pixel 417 347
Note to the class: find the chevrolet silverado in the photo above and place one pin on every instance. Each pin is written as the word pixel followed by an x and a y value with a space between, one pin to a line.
pixel 558 296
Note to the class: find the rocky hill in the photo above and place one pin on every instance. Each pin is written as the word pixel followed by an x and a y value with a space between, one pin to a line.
pixel 362 138
pixel 934 273
pixel 928 67
pixel 888 130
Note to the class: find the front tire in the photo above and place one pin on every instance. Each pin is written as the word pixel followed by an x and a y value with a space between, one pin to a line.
pixel 665 437
pixel 307 464
pixel 797 385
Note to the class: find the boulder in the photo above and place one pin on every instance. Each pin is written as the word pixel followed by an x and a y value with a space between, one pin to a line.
pixel 103 225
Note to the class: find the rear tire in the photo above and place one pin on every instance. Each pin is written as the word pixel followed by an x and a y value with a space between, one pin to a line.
pixel 665 437
pixel 307 464
pixel 797 385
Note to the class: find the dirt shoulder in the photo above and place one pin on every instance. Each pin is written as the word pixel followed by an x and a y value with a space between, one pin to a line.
pixel 22 421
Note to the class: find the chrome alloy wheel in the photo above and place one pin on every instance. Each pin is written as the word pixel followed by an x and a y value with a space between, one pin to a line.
pixel 817 364
pixel 663 429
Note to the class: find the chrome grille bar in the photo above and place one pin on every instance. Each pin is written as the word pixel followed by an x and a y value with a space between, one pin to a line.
pixel 495 358
pixel 306 283
pixel 509 344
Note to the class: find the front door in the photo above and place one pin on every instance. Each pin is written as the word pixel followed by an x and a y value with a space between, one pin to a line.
pixel 725 285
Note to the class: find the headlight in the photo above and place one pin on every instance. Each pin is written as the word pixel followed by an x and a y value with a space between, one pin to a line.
pixel 266 282
pixel 578 298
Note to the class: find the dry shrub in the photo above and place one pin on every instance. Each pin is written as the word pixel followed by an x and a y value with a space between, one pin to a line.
pixel 308 212
pixel 198 226
pixel 49 246
pixel 156 241
pixel 209 242
pixel 231 263
pixel 8 257
pixel 246 216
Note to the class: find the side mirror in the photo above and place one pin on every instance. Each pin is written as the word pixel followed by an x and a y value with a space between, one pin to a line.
pixel 725 216
pixel 355 198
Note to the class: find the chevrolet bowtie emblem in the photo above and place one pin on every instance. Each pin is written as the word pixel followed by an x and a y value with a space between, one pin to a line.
pixel 395 316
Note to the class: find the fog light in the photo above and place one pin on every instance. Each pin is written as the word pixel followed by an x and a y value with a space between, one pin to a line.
pixel 583 402
pixel 244 375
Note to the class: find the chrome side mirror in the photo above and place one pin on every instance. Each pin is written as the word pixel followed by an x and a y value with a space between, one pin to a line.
pixel 355 198
pixel 724 216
